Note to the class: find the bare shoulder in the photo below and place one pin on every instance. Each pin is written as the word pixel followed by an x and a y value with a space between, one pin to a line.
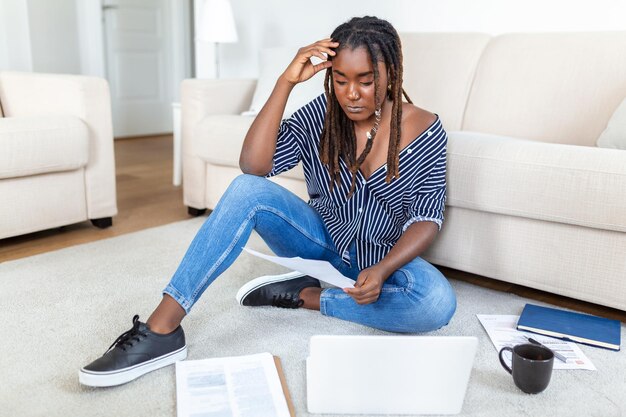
pixel 415 121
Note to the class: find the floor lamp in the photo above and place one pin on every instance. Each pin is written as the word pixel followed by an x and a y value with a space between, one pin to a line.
pixel 217 25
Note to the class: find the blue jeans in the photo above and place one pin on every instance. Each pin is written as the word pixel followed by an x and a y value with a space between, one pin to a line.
pixel 415 298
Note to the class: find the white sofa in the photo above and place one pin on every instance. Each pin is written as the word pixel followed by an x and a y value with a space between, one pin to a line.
pixel 56 152
pixel 531 199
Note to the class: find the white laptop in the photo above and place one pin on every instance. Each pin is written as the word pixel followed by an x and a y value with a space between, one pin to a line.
pixel 388 374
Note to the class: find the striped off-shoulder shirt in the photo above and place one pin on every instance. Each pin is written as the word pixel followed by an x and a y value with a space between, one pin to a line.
pixel 377 214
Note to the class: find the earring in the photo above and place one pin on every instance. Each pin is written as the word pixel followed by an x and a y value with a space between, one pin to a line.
pixel 377 114
pixel 389 87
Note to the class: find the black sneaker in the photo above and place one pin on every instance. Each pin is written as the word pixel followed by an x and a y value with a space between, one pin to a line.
pixel 134 353
pixel 276 290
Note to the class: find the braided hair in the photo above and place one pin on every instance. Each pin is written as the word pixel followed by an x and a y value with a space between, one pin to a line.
pixel 382 43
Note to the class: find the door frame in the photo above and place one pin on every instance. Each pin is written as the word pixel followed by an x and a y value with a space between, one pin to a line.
pixel 92 48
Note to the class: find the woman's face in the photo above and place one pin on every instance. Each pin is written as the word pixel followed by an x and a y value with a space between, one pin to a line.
pixel 353 82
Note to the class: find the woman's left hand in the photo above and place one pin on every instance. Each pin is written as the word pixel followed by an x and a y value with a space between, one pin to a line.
pixel 368 286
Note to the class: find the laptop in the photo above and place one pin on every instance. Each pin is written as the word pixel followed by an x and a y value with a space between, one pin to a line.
pixel 388 374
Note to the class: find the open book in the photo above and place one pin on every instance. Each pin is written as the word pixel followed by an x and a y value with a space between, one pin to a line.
pixel 236 386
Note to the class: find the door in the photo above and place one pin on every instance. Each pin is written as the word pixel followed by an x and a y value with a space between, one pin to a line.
pixel 138 51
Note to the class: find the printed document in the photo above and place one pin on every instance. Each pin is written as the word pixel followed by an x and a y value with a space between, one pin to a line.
pixel 321 270
pixel 503 332
pixel 237 386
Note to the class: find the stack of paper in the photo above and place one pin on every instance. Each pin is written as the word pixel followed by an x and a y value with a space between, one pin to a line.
pixel 502 332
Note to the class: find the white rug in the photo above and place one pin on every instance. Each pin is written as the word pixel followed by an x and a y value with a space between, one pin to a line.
pixel 62 309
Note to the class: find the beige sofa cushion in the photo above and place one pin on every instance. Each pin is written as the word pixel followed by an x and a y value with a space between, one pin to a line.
pixel 614 136
pixel 559 87
pixel 32 145
pixel 560 183
pixel 219 140
pixel 439 69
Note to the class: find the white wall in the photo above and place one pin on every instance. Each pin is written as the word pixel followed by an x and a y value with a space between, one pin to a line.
pixel 54 36
pixel 15 53
pixel 289 23
pixel 90 37
pixel 4 55
pixel 181 39
pixel 39 35
pixel 66 36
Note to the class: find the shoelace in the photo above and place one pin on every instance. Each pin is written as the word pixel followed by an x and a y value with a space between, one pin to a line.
pixel 127 338
pixel 286 301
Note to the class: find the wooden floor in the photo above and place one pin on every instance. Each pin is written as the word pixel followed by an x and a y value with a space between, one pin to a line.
pixel 146 198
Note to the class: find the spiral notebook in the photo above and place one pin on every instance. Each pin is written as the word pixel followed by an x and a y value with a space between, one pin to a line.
pixel 569 325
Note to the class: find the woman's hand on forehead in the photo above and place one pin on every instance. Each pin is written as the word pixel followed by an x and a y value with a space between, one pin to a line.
pixel 301 68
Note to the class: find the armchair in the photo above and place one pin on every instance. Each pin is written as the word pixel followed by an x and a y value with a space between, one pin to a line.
pixel 57 162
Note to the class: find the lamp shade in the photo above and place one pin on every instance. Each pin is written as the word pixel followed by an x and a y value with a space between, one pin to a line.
pixel 217 22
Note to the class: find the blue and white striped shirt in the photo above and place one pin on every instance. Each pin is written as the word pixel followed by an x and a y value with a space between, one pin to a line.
pixel 377 213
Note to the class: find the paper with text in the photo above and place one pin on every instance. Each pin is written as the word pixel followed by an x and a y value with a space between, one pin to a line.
pixel 236 386
pixel 502 330
pixel 321 270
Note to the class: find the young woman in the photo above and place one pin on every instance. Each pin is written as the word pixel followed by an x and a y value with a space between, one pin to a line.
pixel 375 173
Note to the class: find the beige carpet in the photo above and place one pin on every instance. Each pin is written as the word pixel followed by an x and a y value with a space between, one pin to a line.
pixel 62 309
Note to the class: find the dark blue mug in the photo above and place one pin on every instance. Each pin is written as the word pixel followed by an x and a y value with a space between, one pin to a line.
pixel 531 366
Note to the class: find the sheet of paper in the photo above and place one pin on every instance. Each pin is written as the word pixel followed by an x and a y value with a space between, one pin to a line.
pixel 237 386
pixel 321 270
pixel 503 332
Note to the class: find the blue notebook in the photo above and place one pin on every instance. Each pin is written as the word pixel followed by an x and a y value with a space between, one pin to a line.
pixel 577 327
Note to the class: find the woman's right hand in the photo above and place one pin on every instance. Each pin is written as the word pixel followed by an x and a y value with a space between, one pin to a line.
pixel 259 145
pixel 301 68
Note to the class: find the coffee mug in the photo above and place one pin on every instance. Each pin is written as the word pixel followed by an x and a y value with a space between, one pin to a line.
pixel 531 366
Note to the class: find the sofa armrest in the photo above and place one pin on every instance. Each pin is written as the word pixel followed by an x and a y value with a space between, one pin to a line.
pixel 201 98
pixel 578 185
pixel 30 94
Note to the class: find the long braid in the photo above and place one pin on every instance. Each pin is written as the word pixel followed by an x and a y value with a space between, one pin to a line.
pixel 396 112
pixel 370 139
pixel 329 126
pixel 338 138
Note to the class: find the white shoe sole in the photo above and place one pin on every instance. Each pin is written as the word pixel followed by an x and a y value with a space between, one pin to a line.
pixel 122 376
pixel 264 280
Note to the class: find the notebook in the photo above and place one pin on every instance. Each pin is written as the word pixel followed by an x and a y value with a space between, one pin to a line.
pixel 577 327
pixel 388 374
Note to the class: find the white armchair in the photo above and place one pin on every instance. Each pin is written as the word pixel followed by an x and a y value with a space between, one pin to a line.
pixel 57 164
pixel 213 133
pixel 198 175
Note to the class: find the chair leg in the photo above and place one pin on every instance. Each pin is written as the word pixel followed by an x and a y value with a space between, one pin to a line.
pixel 195 211
pixel 102 223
